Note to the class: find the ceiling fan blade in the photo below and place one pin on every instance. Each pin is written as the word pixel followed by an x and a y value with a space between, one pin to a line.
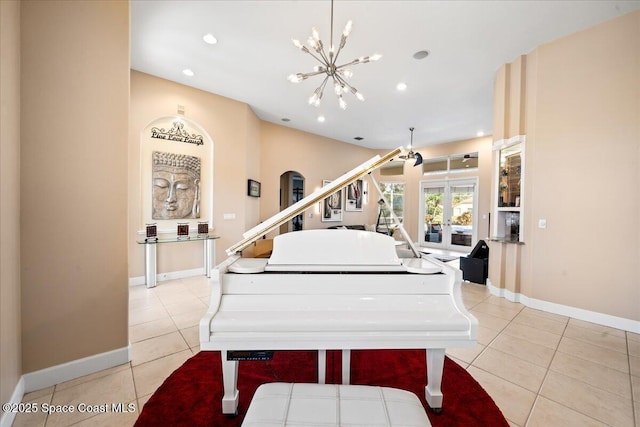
pixel 418 159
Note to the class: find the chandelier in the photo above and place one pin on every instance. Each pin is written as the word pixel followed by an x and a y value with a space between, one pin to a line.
pixel 328 67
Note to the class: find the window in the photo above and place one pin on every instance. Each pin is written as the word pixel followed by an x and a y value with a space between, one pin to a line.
pixel 393 193
pixel 453 163
pixel 438 165
pixel 463 162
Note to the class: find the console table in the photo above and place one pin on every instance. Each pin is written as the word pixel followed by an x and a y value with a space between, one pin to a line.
pixel 150 254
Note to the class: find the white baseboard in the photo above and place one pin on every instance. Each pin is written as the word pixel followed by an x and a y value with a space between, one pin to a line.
pixel 75 369
pixel 61 373
pixel 172 275
pixel 565 310
pixel 6 419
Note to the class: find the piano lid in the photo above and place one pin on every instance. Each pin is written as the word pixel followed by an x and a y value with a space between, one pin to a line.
pixel 281 217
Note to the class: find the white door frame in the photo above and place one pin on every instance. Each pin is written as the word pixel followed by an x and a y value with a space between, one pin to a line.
pixel 446 226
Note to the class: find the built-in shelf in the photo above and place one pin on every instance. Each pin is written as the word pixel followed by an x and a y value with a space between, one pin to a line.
pixel 509 189
pixel 505 240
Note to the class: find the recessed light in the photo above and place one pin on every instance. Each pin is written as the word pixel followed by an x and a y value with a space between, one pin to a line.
pixel 188 72
pixel 421 54
pixel 401 86
pixel 285 119
pixel 321 119
pixel 480 133
pixel 209 39
pixel 358 138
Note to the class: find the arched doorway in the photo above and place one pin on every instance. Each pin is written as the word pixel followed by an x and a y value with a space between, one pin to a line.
pixel 291 191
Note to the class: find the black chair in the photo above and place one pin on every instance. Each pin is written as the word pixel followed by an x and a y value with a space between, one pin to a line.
pixel 475 266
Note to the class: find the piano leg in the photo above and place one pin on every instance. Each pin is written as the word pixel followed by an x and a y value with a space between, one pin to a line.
pixel 346 366
pixel 322 366
pixel 435 366
pixel 230 381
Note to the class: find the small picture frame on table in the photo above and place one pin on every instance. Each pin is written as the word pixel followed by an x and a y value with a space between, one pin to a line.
pixel 151 232
pixel 183 231
pixel 253 188
pixel 203 229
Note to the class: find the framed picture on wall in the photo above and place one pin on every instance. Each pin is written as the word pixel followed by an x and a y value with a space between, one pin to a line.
pixel 332 206
pixel 253 188
pixel 355 190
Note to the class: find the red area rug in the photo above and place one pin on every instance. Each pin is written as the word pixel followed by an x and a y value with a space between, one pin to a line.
pixel 192 395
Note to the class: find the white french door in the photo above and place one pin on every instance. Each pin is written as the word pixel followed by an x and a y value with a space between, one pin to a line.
pixel 448 210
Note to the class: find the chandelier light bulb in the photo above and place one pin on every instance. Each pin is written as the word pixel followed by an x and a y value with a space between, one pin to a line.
pixel 312 43
pixel 315 34
pixel 296 78
pixel 347 73
pixel 313 99
pixel 359 96
pixel 297 43
pixel 342 103
pixel 337 88
pixel 375 57
pixel 347 28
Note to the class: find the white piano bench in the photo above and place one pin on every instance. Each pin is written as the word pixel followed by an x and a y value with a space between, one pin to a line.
pixel 289 404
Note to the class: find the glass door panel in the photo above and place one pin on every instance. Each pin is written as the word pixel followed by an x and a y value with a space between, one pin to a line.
pixel 433 214
pixel 448 209
pixel 462 218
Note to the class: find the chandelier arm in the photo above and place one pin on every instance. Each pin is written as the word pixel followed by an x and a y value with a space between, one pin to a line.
pixel 344 82
pixel 307 75
pixel 328 62
pixel 320 60
pixel 335 58
pixel 328 57
pixel 320 89
pixel 324 83
pixel 354 62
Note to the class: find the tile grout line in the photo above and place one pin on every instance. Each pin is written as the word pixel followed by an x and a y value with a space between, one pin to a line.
pixel 546 374
pixel 633 402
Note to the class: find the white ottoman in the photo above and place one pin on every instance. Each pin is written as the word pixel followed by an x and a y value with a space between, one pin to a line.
pixel 297 404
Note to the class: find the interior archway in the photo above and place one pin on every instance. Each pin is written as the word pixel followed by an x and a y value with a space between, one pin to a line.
pixel 291 191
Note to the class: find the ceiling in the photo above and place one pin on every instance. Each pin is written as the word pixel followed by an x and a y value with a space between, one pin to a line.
pixel 449 94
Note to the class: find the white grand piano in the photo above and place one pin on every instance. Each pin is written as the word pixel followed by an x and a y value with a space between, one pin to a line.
pixel 334 290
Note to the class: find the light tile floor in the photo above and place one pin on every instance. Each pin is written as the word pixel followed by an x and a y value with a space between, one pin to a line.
pixel 540 368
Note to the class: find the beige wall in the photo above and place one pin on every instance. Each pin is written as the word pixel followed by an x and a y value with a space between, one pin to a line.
pixel 316 158
pixel 254 167
pixel 10 349
pixel 74 100
pixel 234 129
pixel 582 114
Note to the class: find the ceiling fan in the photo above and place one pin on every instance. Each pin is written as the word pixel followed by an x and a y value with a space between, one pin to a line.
pixel 412 154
